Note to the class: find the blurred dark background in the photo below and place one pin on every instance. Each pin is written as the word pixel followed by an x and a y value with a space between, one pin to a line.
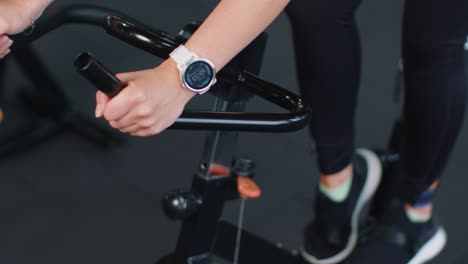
pixel 68 201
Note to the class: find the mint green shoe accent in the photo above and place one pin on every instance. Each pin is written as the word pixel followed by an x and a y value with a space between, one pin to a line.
pixel 337 194
pixel 416 217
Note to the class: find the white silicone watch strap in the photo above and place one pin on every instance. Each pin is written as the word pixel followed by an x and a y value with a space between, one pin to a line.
pixel 181 55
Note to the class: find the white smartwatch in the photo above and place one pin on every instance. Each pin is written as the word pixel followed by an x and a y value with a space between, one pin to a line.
pixel 197 74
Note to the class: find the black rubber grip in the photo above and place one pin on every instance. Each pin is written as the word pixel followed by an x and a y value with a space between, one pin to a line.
pixel 95 72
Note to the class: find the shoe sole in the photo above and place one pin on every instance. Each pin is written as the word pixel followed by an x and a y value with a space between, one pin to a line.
pixel 431 248
pixel 370 187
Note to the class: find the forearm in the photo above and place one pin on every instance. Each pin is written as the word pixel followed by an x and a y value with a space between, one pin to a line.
pixel 231 26
pixel 34 8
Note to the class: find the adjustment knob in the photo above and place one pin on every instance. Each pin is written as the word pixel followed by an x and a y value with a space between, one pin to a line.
pixel 178 205
pixel 243 167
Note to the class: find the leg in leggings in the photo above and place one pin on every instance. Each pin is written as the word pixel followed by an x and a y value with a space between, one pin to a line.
pixel 328 62
pixel 328 58
pixel 434 33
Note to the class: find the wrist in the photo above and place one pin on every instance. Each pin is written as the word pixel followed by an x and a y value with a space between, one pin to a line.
pixel 170 68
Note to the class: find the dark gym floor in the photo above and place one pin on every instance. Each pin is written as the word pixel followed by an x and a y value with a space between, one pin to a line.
pixel 68 201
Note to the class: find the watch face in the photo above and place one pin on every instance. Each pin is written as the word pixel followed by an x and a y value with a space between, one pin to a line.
pixel 198 75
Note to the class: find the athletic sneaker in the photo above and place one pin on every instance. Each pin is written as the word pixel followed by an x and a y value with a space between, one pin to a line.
pixel 397 240
pixel 332 235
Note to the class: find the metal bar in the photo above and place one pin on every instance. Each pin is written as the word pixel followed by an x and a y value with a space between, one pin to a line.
pixel 161 44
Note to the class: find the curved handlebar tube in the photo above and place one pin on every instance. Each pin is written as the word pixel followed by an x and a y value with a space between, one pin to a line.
pixel 160 43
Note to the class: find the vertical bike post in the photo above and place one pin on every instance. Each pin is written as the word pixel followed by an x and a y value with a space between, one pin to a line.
pixel 198 232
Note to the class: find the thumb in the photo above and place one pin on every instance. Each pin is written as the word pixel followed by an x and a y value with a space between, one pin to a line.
pixel 126 77
pixel 101 101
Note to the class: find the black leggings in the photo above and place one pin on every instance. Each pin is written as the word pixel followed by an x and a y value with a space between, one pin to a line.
pixel 328 58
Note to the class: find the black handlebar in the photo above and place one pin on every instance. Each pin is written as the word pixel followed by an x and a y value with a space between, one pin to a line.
pixel 161 44
pixel 96 73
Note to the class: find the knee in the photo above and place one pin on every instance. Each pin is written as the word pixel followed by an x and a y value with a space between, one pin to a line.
pixel 429 50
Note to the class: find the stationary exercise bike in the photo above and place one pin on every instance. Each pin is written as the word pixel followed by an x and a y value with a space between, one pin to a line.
pixel 220 177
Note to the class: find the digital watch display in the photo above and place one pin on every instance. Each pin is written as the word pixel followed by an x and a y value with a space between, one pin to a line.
pixel 197 74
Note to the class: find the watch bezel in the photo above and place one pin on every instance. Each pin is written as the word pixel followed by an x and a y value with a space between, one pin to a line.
pixel 184 69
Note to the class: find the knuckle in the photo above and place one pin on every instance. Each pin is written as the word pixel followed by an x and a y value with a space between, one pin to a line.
pixel 144 111
pixel 146 123
pixel 139 98
pixel 107 116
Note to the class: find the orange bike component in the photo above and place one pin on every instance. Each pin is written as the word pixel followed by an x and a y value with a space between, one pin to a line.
pixel 219 170
pixel 248 188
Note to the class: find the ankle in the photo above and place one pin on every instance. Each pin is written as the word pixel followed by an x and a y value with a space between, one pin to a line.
pixel 336 179
pixel 418 214
pixel 337 186
pixel 421 210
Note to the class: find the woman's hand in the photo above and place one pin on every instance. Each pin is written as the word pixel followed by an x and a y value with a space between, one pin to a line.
pixel 10 22
pixel 151 102
pixel 15 17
